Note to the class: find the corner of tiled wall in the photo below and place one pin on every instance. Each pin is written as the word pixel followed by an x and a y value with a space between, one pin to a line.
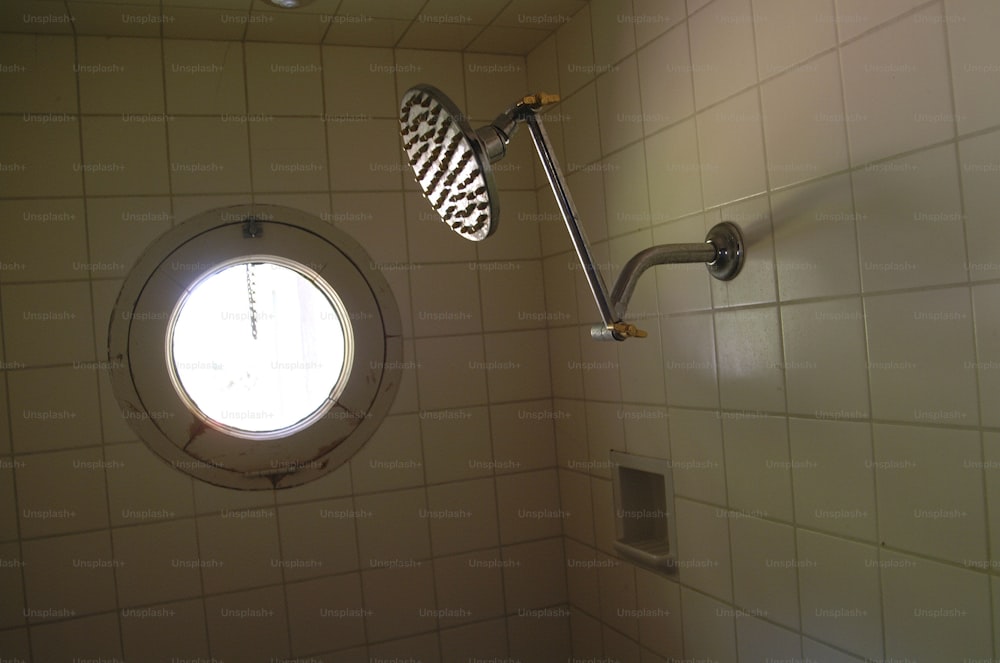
pixel 827 413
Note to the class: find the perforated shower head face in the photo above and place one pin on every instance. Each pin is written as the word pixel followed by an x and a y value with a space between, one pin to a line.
pixel 449 162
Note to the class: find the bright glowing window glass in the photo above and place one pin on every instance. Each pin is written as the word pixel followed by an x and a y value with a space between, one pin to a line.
pixel 260 347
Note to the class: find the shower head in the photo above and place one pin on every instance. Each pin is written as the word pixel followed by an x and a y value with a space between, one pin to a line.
pixel 450 162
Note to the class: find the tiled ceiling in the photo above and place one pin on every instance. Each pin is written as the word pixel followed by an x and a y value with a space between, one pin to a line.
pixel 492 26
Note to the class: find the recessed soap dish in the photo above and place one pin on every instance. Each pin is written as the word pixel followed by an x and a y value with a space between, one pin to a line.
pixel 644 510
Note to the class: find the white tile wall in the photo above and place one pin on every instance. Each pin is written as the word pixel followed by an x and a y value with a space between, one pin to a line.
pixel 453 505
pixel 855 307
pixel 831 411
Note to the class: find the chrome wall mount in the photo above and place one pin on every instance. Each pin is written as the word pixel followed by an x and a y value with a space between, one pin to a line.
pixel 451 163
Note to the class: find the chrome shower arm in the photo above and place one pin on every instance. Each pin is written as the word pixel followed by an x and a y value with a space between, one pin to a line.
pixel 722 250
pixel 663 254
pixel 568 209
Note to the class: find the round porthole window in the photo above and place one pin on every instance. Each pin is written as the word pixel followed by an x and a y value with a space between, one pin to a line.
pixel 255 347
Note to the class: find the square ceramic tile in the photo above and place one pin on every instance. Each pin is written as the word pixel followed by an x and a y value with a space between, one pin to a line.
pixel 49 323
pixel 493 83
pixel 469 587
pixel 559 277
pixel 696 455
pixel 517 366
pixel 142 487
pixel 44 419
pixel 703 559
pixel 326 613
pixel 72 575
pixel 605 431
pixel 513 295
pixel 120 230
pixel 159 562
pixel 709 627
pixel 764 570
pixel 646 431
pixel 91 637
pixel 115 19
pixel 482 640
pixel 523 435
pixel 665 81
pixel 804 122
pixel 721 40
pixel 288 154
pixel 204 77
pixel 604 515
pixel 564 353
pixel 658 601
pixel 377 221
pixel 391 458
pixel 921 357
pixel 930 491
pixel 283 79
pixel 857 16
pixel 934 610
pixel 820 652
pixel 580 129
pixel 209 155
pixel 614 38
pixel 517 235
pixel 815 243
pixel 27 252
pixel 535 640
pixel 760 640
pixel 587 187
pixel 674 172
pixel 381 167
pixel 318 538
pixel 60 492
pixel 542 66
pixel 248 625
pixel 653 17
pixel 731 146
pixel 40 74
pixel 616 581
pixel 236 549
pixel 533 575
pixel 462 516
pixel 896 87
pixel 973 54
pixel 586 634
pixel 758 475
pixel 41 159
pixel 445 300
pixel 282 26
pixel 574 499
pixel 583 590
pixel 788 34
pixel 832 382
pixel 689 361
pixel 749 359
pixel 192 23
pixel 347 68
pixel 528 506
pixel 8 503
pixel 120 75
pixel 598 364
pixel 401 601
pixel 396 531
pixel 985 299
pixel 575 52
pixel 571 435
pixel 839 592
pixel 832 476
pixel 980 176
pixel 452 373
pixel 124 156
pixel 991 467
pixel 456 444
pixel 625 193
pixel 179 632
pixel 620 110
pixel 910 208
